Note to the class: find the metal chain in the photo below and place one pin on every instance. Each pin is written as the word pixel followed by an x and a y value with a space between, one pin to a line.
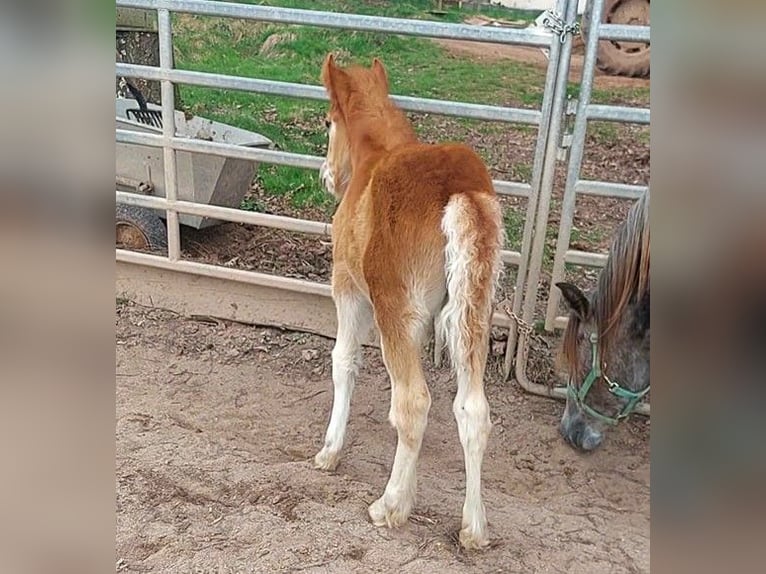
pixel 523 326
pixel 557 25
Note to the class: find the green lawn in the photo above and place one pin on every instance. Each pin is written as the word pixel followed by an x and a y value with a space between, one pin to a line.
pixel 417 67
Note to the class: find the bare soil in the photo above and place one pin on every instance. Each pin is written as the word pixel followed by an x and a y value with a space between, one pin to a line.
pixel 217 423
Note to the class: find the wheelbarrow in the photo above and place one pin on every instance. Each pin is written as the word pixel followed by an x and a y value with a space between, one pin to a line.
pixel 201 178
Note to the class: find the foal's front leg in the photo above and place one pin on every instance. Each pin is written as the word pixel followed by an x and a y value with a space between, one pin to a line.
pixel 354 323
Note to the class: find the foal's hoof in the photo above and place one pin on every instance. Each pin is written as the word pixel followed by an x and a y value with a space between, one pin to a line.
pixel 326 460
pixel 391 516
pixel 473 539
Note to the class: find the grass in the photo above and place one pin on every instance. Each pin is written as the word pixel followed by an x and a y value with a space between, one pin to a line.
pixel 604 133
pixel 416 66
pixel 590 236
pixel 514 228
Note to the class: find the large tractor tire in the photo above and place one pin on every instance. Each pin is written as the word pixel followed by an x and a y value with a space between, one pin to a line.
pixel 622 58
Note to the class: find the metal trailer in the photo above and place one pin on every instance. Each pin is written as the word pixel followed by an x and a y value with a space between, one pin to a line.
pixel 200 178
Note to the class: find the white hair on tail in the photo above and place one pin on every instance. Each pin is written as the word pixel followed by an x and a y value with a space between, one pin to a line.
pixel 462 267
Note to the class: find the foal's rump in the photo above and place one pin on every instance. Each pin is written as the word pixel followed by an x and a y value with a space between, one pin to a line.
pixel 412 187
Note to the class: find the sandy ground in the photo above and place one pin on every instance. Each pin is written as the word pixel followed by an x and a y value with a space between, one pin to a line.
pixel 217 423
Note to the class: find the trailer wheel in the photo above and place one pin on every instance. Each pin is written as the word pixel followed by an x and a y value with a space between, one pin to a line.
pixel 622 58
pixel 139 228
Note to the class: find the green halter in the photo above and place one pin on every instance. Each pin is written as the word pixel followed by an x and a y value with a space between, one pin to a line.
pixel 595 374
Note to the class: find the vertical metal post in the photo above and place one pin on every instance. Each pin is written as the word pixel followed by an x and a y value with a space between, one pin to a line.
pixel 575 162
pixel 168 132
pixel 538 167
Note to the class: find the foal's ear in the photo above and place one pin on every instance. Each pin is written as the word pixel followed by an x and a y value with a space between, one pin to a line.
pixel 335 81
pixel 576 300
pixel 380 72
pixel 329 71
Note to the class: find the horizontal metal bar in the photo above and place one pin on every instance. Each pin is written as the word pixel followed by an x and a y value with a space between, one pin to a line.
pixel 266 155
pixel 222 81
pixel 249 277
pixel 228 214
pixel 512 188
pixel 501 320
pixel 533 36
pixel 622 114
pixel 472 111
pixel 273 87
pixel 222 149
pixel 585 258
pixel 510 257
pixel 624 33
pixel 607 189
pixel 240 275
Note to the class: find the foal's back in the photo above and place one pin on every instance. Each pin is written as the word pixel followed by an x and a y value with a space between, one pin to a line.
pixel 407 196
pixel 418 180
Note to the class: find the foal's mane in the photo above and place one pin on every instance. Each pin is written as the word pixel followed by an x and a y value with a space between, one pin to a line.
pixel 624 279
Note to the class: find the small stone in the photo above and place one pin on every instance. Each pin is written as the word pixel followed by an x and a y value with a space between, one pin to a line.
pixel 309 354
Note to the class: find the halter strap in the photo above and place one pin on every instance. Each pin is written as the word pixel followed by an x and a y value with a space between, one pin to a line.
pixel 632 397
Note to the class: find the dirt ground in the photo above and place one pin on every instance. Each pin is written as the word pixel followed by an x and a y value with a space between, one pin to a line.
pixel 217 424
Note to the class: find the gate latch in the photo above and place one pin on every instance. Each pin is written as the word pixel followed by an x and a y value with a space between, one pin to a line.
pixel 557 25
pixel 562 152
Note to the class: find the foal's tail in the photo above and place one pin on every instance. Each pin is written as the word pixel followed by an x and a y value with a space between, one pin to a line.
pixel 472 225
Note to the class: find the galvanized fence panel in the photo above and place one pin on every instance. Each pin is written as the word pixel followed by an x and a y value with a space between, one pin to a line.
pixel 545 160
pixel 171 143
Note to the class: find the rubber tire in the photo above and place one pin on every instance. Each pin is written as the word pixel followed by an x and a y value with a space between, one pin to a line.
pixel 147 222
pixel 610 58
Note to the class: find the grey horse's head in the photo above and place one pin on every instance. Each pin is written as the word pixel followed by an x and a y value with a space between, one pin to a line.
pixel 606 342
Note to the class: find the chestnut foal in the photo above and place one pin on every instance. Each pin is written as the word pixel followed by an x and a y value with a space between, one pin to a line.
pixel 418 231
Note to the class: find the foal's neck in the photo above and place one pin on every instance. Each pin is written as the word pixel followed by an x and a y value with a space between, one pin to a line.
pixel 379 131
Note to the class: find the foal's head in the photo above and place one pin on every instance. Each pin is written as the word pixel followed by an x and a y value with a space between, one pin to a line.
pixel 358 98
pixel 606 343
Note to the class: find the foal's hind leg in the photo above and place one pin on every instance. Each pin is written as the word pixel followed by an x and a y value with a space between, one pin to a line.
pixel 473 423
pixel 354 323
pixel 410 402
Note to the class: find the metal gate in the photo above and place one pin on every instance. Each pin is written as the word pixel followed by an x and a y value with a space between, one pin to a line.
pixel 555 36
